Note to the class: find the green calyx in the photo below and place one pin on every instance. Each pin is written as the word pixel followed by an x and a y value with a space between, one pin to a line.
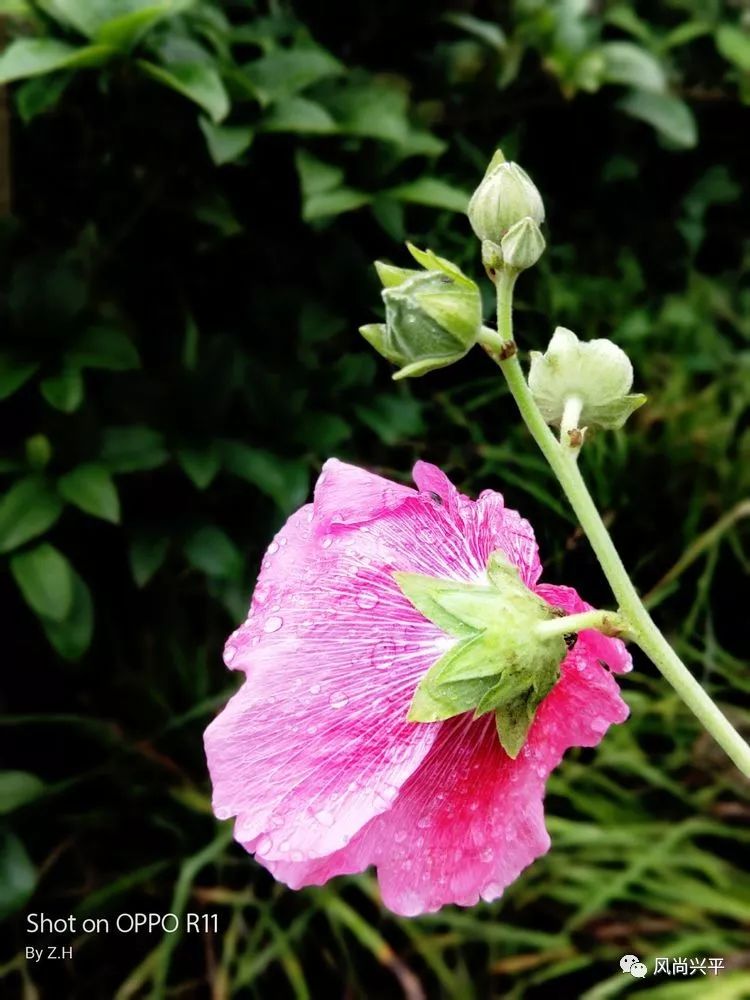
pixel 433 316
pixel 499 663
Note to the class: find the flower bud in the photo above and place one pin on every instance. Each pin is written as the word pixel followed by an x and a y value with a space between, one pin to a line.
pixel 592 378
pixel 506 196
pixel 522 245
pixel 433 317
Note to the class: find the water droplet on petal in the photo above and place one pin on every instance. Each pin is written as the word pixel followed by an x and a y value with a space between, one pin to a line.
pixel 229 654
pixel 272 549
pixel 223 812
pixel 273 624
pixel 327 543
pixel 314 688
pixel 338 700
pixel 423 822
pixel 324 817
pixel 264 845
pixel 399 836
pixel 599 724
pixel 487 855
pixel 366 601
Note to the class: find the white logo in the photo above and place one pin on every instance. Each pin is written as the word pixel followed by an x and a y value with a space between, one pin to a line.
pixel 633 965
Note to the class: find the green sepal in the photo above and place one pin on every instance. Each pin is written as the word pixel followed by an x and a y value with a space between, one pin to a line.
pixel 391 276
pixel 376 334
pixel 498 664
pixel 417 368
pixel 431 262
pixel 426 594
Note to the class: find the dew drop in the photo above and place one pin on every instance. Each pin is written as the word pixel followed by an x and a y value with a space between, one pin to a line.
pixel 272 549
pixel 327 543
pixel 599 724
pixel 399 836
pixel 423 822
pixel 273 624
pixel 264 845
pixel 223 812
pixel 314 688
pixel 229 654
pixel 338 700
pixel 487 855
pixel 367 601
pixel 324 817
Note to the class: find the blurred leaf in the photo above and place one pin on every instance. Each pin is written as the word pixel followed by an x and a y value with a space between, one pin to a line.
pixel 211 550
pixel 13 374
pixel 734 44
pixel 671 117
pixel 28 57
pixel 72 636
pixel 28 509
pixel 132 449
pixel 632 65
pixel 38 451
pixel 44 577
pixel 63 391
pixel 225 142
pixel 92 488
pixel 395 419
pixel 17 788
pixel 298 114
pixel 282 74
pixel 147 554
pixel 197 81
pixel 286 481
pixel 486 31
pixel 200 465
pixel 39 94
pixel 104 347
pixel 124 30
pixel 432 192
pixel 17 874
pixel 322 191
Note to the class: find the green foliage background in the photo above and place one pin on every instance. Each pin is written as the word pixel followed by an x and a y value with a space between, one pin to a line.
pixel 198 190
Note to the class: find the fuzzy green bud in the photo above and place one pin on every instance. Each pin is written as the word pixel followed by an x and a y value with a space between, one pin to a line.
pixel 505 197
pixel 433 317
pixel 522 245
pixel 591 380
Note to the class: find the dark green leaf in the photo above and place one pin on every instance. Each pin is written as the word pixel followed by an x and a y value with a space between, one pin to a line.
pixel 226 142
pixel 72 636
pixel 734 44
pixel 104 347
pixel 40 94
pixel 147 554
pixel 200 465
pixel 284 73
pixel 28 509
pixel 27 57
pixel 44 577
pixel 197 81
pixel 433 193
pixel 670 116
pixel 298 114
pixel 212 551
pixel 286 481
pixel 13 374
pixel 63 391
pixel 17 874
pixel 132 449
pixel 17 788
pixel 91 488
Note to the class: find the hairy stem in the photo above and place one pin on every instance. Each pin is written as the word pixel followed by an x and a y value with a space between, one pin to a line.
pixel 607 622
pixel 641 627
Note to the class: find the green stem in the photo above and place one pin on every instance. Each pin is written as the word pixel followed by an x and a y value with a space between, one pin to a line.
pixel 607 622
pixel 643 630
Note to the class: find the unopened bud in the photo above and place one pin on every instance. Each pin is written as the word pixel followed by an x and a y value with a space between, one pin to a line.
pixel 506 196
pixel 522 245
pixel 433 317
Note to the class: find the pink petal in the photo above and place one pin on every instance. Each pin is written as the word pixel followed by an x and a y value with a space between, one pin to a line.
pixel 346 495
pixel 611 652
pixel 470 819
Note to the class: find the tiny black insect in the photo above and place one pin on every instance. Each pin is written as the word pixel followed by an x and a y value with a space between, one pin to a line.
pixel 435 496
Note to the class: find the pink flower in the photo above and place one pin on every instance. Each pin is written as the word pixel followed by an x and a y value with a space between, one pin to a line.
pixel 314 755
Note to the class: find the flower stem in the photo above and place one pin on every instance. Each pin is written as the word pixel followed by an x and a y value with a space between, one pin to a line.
pixel 641 627
pixel 607 622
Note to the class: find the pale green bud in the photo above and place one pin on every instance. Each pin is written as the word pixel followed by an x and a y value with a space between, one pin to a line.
pixel 522 245
pixel 433 317
pixel 592 379
pixel 506 196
